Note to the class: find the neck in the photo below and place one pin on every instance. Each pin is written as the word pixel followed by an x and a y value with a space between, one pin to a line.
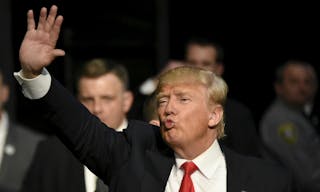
pixel 193 150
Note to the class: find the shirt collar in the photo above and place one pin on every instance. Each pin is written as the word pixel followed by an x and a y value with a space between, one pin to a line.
pixel 4 122
pixel 123 125
pixel 207 162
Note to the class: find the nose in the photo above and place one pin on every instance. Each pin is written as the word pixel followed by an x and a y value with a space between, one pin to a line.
pixel 97 107
pixel 170 107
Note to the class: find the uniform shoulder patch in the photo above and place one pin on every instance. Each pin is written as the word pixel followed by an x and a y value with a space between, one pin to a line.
pixel 288 133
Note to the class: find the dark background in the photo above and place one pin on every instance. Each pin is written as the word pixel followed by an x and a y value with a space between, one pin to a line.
pixel 143 34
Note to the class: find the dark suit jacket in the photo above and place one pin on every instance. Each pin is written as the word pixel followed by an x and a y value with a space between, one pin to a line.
pixel 138 159
pixel 54 169
pixel 19 148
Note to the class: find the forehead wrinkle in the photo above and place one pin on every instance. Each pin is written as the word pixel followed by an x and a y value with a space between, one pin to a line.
pixel 177 91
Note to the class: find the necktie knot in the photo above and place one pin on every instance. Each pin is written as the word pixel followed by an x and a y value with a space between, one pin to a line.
pixel 189 167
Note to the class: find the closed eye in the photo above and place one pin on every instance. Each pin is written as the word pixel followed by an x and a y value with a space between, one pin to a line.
pixel 162 101
pixel 185 100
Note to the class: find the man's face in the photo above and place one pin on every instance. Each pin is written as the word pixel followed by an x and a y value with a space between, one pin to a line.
pixel 106 98
pixel 184 115
pixel 298 85
pixel 204 57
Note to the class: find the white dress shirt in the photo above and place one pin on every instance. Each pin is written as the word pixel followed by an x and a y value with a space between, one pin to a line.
pixel 211 175
pixel 4 123
pixel 212 172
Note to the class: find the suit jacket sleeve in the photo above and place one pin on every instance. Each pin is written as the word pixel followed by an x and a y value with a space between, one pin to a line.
pixel 92 142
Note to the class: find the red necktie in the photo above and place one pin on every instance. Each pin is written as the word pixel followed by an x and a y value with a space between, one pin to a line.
pixel 186 184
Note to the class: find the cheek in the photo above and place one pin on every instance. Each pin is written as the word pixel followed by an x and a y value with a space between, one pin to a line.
pixel 160 112
pixel 198 118
pixel 88 106
pixel 113 107
pixel 117 107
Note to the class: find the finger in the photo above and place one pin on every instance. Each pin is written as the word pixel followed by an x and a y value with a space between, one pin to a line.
pixel 58 52
pixel 54 35
pixel 51 18
pixel 30 20
pixel 42 18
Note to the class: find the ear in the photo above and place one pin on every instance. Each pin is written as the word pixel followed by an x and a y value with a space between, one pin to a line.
pixel 128 100
pixel 215 116
pixel 219 70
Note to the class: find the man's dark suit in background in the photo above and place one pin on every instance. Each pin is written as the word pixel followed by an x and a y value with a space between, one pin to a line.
pixel 18 152
pixel 17 145
pixel 68 171
pixel 240 130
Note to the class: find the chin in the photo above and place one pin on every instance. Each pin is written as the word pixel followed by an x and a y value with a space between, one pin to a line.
pixel 171 139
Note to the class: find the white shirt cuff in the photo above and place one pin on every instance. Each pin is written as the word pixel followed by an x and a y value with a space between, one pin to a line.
pixel 34 88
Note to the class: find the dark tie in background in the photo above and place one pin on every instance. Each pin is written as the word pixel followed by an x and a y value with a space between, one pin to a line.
pixel 186 184
pixel 101 187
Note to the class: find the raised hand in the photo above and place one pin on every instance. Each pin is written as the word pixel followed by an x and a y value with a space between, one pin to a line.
pixel 37 49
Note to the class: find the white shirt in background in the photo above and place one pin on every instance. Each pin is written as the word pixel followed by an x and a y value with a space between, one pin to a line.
pixel 4 123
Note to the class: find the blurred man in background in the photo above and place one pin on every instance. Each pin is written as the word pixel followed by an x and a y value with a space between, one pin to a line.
pixel 288 136
pixel 17 145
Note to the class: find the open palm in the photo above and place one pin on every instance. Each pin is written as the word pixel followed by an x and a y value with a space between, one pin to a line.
pixel 38 46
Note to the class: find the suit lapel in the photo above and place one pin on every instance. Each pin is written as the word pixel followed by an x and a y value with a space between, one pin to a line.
pixel 151 174
pixel 14 161
pixel 9 151
pixel 160 165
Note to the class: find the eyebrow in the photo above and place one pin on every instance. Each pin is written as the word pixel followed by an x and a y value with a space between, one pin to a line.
pixel 161 95
pixel 177 93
